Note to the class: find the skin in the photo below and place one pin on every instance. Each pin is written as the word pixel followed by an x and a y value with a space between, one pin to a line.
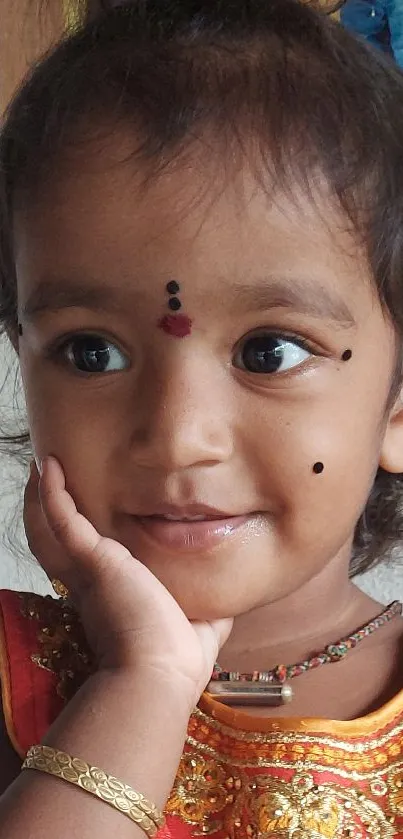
pixel 184 422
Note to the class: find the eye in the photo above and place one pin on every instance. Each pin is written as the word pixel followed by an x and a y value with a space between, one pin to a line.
pixel 93 354
pixel 268 353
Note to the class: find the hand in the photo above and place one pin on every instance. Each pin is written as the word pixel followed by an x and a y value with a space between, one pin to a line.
pixel 131 621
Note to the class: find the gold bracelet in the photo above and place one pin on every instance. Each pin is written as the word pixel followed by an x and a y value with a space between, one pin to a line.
pixel 91 779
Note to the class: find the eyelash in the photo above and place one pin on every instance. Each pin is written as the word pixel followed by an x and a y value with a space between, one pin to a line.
pixel 58 350
pixel 281 335
pixel 286 336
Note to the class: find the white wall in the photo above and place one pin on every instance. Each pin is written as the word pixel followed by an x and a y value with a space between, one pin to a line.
pixel 18 569
pixel 22 572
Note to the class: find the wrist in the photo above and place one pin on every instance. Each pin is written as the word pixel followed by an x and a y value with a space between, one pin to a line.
pixel 130 723
pixel 162 681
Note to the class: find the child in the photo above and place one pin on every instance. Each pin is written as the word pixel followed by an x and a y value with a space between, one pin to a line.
pixel 201 265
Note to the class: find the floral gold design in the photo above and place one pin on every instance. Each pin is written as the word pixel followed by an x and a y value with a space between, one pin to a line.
pixel 206 796
pixel 281 809
pixel 396 791
pixel 200 790
pixel 63 648
pixel 253 785
pixel 311 811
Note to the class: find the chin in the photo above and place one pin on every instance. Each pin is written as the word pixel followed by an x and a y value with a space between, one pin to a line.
pixel 214 603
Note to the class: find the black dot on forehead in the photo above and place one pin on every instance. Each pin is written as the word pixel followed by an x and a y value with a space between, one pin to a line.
pixel 172 287
pixel 174 304
pixel 347 355
pixel 318 468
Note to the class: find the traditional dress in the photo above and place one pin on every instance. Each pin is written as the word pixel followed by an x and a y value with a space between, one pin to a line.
pixel 239 776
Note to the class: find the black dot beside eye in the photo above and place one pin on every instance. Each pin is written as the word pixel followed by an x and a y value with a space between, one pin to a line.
pixel 318 468
pixel 20 329
pixel 172 287
pixel 346 355
pixel 174 304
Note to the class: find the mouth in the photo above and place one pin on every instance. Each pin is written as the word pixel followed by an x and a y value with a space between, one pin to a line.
pixel 199 531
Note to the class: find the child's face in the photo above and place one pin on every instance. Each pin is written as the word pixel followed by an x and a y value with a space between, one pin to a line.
pixel 188 421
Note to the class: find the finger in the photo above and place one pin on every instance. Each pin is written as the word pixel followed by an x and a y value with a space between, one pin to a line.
pixel 213 635
pixel 40 538
pixel 222 629
pixel 71 529
pixel 31 489
pixel 33 471
pixel 36 528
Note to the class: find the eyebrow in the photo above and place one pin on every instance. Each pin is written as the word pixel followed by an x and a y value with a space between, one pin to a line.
pixel 302 296
pixel 54 295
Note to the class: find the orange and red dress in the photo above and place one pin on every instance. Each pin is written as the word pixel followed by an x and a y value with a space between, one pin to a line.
pixel 239 776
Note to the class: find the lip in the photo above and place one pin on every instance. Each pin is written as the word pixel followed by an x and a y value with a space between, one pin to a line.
pixel 185 510
pixel 188 535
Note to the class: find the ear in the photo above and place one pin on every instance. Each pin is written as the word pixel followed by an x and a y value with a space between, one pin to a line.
pixel 391 456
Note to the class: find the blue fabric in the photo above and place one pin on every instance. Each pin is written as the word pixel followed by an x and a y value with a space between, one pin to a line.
pixel 394 14
pixel 378 21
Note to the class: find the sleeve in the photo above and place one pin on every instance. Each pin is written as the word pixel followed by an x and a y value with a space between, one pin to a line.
pixel 29 690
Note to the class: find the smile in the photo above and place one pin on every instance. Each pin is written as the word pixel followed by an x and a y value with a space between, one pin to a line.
pixel 190 533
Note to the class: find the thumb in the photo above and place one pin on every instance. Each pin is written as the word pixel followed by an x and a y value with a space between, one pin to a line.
pixel 211 635
pixel 222 629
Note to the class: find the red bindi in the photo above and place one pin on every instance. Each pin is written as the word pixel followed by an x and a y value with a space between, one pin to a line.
pixel 177 325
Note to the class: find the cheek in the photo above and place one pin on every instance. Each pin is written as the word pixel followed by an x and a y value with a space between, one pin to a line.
pixel 83 437
pixel 342 435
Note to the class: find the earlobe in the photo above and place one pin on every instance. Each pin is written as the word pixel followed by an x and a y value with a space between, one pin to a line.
pixel 391 456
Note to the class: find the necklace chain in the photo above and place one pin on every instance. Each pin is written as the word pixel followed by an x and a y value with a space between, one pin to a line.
pixel 333 652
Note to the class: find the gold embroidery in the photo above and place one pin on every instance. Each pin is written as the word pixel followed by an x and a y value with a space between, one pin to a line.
pixel 62 643
pixel 230 735
pixel 302 760
pixel 246 785
pixel 218 789
pixel 208 797
pixel 200 790
pixel 323 811
pixel 357 759
pixel 396 794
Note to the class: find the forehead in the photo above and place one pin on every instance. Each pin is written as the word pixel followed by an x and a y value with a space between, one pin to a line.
pixel 107 219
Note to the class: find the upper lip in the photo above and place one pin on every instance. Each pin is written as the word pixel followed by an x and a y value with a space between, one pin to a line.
pixel 185 510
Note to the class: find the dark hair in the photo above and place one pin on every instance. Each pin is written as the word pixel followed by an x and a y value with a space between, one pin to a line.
pixel 277 75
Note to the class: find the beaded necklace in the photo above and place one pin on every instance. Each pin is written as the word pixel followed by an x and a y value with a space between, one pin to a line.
pixel 269 687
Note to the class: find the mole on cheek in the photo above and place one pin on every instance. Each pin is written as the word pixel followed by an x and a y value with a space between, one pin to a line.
pixel 318 468
pixel 346 355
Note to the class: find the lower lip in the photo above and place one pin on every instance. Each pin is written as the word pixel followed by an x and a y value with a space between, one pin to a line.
pixel 191 535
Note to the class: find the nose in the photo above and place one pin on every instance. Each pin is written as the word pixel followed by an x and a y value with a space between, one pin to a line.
pixel 184 418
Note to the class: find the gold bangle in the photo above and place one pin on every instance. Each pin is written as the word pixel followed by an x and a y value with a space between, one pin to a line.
pixel 91 779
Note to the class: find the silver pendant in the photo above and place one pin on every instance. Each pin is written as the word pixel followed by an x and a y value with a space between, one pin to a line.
pixel 250 693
